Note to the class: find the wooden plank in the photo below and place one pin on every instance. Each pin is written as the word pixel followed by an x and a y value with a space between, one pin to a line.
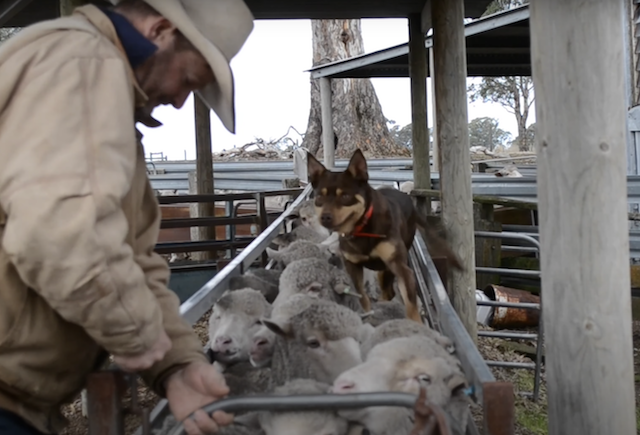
pixel 450 66
pixel 488 251
pixel 577 59
pixel 203 176
pixel 635 275
pixel 328 136
pixel 419 128
pixel 434 145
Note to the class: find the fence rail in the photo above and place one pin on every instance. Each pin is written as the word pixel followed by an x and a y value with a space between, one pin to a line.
pixel 265 180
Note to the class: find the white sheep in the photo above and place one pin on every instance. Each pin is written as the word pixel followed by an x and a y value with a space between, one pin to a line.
pixel 383 311
pixel 309 218
pixel 234 320
pixel 318 278
pixel 264 338
pixel 298 250
pixel 397 328
pixel 404 365
pixel 298 233
pixel 318 343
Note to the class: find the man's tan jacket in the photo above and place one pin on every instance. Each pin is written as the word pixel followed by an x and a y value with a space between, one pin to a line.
pixel 78 220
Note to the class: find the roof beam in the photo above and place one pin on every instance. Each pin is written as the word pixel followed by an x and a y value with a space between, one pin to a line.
pixel 474 28
pixel 9 9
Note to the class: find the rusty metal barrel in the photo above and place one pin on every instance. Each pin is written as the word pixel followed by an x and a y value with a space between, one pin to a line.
pixel 511 317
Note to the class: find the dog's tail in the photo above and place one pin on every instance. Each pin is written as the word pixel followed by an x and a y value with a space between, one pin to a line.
pixel 437 243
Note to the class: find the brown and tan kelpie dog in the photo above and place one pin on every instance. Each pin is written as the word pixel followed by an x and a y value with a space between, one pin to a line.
pixel 376 228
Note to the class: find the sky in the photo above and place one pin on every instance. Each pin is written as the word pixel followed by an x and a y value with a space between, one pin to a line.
pixel 273 90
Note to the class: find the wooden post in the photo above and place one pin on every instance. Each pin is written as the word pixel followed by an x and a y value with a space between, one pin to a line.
pixel 328 143
pixel 419 129
pixel 434 145
pixel 450 66
pixel 204 174
pixel 577 58
pixel 67 6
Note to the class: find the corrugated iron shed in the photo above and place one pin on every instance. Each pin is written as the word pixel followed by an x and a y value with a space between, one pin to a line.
pixel 497 45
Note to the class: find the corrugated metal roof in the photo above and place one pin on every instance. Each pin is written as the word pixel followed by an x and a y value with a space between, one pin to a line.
pixel 497 45
pixel 19 13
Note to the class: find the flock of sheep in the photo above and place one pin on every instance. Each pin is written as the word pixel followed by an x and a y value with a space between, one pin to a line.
pixel 299 328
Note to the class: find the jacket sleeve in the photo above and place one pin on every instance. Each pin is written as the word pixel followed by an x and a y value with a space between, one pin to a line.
pixel 70 130
pixel 186 346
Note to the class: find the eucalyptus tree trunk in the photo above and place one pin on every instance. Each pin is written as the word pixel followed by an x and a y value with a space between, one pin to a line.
pixel 358 121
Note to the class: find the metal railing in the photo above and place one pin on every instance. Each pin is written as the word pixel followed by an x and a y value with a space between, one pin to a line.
pixel 261 219
pixel 538 338
pixel 495 397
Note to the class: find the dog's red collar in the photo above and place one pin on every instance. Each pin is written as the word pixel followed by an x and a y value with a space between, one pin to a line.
pixel 357 231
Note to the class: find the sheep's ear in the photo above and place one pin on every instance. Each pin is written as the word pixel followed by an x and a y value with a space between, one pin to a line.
pixel 313 289
pixel 345 289
pixel 279 328
pixel 341 288
pixel 295 214
pixel 284 239
pixel 272 253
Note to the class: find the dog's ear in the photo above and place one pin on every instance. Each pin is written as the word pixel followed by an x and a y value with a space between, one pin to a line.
pixel 315 170
pixel 358 166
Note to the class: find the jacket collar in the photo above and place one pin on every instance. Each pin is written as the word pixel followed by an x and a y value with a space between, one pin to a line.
pixel 104 25
pixel 136 45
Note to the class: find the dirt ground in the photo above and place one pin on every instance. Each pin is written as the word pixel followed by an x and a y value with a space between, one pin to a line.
pixel 531 418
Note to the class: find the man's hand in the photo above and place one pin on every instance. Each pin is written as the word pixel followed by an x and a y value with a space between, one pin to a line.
pixel 193 387
pixel 143 361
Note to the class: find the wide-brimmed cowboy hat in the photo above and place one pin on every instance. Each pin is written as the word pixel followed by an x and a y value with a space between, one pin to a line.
pixel 217 29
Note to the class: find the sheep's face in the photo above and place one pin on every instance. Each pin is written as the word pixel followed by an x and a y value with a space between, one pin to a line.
pixel 441 379
pixel 233 323
pixel 331 357
pixel 262 347
pixel 309 218
pixel 303 423
pixel 400 365
pixel 326 334
pixel 264 339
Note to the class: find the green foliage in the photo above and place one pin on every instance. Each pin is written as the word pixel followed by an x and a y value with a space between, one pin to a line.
pixel 486 133
pixel 506 91
pixel 404 135
pixel 515 94
pixel 530 415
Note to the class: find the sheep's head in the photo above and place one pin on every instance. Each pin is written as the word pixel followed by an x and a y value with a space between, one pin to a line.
pixel 328 334
pixel 264 338
pixel 234 321
pixel 402 365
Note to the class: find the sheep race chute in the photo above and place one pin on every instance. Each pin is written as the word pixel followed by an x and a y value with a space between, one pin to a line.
pixel 496 398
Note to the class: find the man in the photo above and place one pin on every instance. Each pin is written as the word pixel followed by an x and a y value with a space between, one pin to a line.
pixel 78 218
